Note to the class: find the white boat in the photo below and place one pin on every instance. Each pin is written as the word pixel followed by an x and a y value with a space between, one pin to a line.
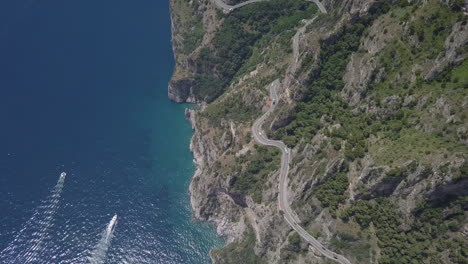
pixel 111 225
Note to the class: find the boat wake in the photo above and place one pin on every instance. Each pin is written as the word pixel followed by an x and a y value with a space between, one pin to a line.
pixel 27 245
pixel 98 256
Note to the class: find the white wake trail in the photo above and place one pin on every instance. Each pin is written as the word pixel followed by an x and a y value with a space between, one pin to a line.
pixel 98 256
pixel 27 243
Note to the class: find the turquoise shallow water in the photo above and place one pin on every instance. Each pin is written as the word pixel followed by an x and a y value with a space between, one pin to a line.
pixel 83 89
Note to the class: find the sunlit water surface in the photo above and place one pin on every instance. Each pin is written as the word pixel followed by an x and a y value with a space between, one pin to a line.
pixel 83 91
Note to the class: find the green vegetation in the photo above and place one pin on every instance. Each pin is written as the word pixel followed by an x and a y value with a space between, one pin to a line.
pixel 232 44
pixel 256 167
pixel 291 251
pixel 242 252
pixel 191 21
pixel 428 29
pixel 324 104
pixel 401 141
pixel 392 136
pixel 462 173
pixel 426 238
pixel 332 192
pixel 322 99
pixel 294 239
pixel 193 38
pixel 354 131
pixel 401 117
pixel 396 173
pixel 232 108
pixel 350 243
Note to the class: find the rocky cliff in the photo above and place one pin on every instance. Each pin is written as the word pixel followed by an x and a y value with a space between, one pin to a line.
pixel 373 99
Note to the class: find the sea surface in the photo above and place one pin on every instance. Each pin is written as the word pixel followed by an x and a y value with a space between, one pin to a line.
pixel 83 90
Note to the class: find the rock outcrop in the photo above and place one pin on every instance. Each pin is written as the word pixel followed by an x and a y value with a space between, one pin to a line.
pixel 402 146
pixel 180 91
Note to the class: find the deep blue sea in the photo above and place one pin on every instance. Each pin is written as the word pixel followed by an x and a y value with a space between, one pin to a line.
pixel 83 90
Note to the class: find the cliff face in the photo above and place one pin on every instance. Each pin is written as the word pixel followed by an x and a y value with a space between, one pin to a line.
pixel 180 91
pixel 193 26
pixel 373 99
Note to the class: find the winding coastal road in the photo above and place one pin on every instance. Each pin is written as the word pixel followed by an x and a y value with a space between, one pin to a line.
pixel 260 137
pixel 283 181
pixel 228 8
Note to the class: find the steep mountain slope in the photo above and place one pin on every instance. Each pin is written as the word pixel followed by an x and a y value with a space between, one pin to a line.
pixel 373 104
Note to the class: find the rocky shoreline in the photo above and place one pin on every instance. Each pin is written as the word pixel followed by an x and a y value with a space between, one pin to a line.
pixel 330 158
pixel 180 91
pixel 223 226
pixel 197 159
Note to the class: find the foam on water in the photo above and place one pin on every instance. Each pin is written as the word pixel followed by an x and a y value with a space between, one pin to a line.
pixel 27 244
pixel 98 256
pixel 86 90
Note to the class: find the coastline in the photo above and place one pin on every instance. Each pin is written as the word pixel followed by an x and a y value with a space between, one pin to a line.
pixel 189 116
pixel 333 173
pixel 132 160
pixel 210 202
pixel 196 145
pixel 198 160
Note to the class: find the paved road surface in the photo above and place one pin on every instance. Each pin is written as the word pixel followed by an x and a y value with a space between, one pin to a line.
pixel 286 154
pixel 228 8
pixel 283 181
pixel 295 46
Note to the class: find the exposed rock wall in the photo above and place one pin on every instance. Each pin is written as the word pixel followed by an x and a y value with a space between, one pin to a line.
pixel 219 144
